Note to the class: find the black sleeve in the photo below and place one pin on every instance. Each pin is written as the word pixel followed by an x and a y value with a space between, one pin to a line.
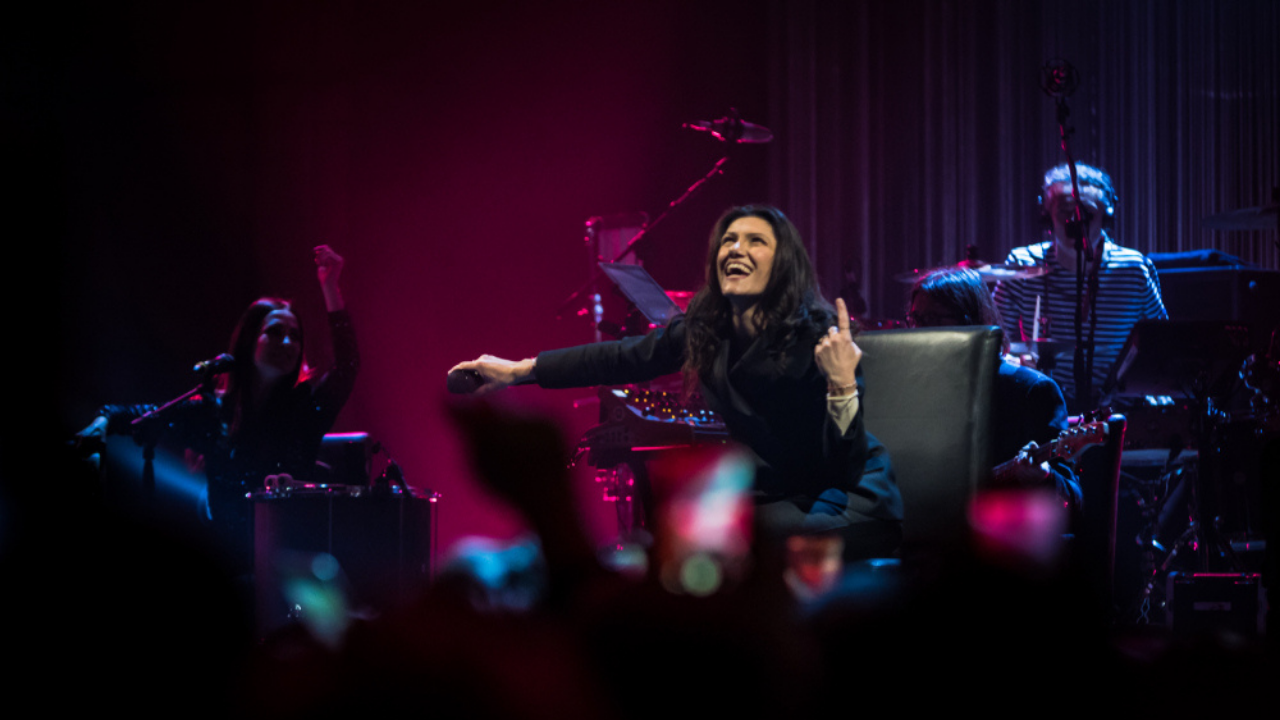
pixel 629 360
pixel 1048 411
pixel 332 391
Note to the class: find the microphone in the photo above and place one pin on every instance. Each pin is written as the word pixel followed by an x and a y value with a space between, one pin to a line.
pixel 1058 78
pixel 215 366
pixel 464 382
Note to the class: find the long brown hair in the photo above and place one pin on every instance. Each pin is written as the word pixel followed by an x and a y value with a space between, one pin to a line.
pixel 235 388
pixel 791 305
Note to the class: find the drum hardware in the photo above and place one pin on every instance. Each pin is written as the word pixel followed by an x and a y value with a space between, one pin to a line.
pixel 1045 352
pixel 989 272
pixel 1261 377
pixel 1195 360
pixel 1156 500
pixel 1005 271
pixel 1162 503
pixel 731 130
pixel 1189 410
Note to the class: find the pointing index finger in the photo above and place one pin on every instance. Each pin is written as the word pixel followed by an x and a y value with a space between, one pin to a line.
pixel 842 316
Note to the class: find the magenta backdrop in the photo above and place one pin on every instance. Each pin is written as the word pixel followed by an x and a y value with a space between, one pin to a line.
pixel 452 158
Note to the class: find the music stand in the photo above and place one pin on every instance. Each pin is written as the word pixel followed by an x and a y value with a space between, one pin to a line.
pixel 643 291
pixel 1179 358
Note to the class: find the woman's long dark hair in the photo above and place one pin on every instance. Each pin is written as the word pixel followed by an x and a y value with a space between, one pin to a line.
pixel 791 305
pixel 962 290
pixel 235 388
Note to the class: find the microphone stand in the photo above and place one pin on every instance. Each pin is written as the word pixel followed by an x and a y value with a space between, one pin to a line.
pixel 148 428
pixel 1059 81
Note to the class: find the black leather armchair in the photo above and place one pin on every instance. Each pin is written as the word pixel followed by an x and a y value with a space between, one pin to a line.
pixel 928 400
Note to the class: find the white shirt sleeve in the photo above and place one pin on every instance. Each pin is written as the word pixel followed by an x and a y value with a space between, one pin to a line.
pixel 842 408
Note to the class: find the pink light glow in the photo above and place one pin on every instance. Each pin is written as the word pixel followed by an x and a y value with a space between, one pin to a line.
pixel 1019 525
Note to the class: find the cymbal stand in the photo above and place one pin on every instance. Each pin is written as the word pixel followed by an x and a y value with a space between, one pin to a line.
pixel 731 137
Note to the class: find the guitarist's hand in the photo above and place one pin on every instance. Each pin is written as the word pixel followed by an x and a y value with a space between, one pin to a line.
pixel 1026 473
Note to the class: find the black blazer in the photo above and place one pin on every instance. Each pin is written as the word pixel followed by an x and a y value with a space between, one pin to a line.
pixel 775 406
pixel 1028 405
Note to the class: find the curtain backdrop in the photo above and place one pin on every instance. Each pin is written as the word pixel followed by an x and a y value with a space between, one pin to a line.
pixel 907 130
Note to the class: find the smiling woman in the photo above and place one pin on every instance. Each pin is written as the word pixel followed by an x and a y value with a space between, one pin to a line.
pixel 745 260
pixel 778 364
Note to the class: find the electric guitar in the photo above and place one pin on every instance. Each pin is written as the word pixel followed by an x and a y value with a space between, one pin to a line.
pixel 1068 445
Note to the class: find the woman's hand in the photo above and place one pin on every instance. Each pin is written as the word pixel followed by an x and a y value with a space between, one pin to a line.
pixel 497 372
pixel 837 355
pixel 328 270
pixel 92 439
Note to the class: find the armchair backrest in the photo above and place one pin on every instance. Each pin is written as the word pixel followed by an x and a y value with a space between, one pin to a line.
pixel 928 399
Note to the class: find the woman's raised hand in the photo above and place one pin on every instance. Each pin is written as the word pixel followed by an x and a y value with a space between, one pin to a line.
pixel 328 269
pixel 837 355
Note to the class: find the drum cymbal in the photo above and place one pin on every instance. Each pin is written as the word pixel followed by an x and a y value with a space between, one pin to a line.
pixel 1006 271
pixel 732 129
pixel 1043 346
pixel 1262 217
pixel 988 272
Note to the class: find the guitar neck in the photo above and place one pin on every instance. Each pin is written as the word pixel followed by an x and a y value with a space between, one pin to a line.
pixel 1068 445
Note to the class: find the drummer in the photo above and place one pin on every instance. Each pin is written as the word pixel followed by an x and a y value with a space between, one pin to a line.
pixel 1128 287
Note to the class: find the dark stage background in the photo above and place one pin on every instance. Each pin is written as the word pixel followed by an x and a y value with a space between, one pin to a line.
pixel 180 160
pixel 911 129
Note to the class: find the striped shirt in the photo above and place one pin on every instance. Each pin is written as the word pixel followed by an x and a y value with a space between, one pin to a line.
pixel 1128 291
